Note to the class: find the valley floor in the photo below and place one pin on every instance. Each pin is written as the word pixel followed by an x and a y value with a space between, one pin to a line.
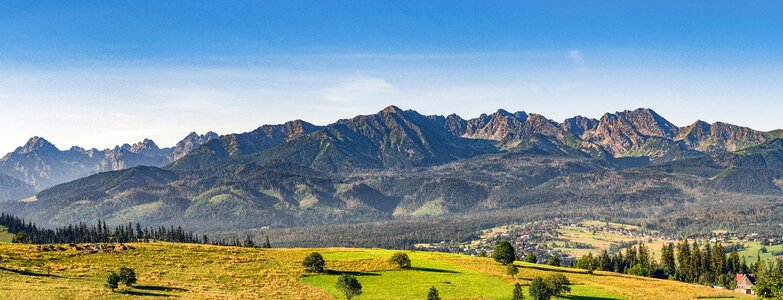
pixel 215 272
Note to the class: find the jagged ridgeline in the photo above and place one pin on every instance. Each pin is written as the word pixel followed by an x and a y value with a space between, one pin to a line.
pixel 398 164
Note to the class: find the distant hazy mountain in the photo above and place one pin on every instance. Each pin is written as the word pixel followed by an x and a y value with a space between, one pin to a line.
pixel 399 163
pixel 14 189
pixel 40 164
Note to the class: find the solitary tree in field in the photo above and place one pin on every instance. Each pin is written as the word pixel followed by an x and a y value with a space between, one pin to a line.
pixel 517 295
pixel 401 259
pixel 512 270
pixel 433 294
pixel 531 258
pixel 558 284
pixel 314 263
pixel 127 276
pixel 538 289
pixel 112 281
pixel 349 285
pixel 504 253
pixel 555 285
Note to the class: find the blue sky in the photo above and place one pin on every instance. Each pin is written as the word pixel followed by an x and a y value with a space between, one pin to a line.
pixel 96 74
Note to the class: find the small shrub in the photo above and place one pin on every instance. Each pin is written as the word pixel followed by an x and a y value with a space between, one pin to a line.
pixel 512 270
pixel 553 261
pixel 112 281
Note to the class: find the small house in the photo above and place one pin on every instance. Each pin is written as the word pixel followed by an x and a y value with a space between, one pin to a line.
pixel 745 283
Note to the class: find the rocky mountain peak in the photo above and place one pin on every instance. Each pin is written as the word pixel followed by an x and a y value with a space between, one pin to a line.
pixel 145 145
pixel 720 136
pixel 455 124
pixel 391 109
pixel 192 141
pixel 579 125
pixel 501 113
pixel 649 123
pixel 37 144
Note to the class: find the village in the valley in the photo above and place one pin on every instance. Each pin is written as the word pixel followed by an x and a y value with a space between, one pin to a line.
pixel 567 240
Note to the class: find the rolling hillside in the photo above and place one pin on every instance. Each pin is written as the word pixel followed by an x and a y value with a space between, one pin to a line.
pixel 198 271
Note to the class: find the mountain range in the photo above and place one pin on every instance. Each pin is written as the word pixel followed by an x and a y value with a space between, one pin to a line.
pixel 399 164
pixel 38 164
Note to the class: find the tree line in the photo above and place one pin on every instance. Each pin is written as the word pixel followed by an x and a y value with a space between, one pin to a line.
pixel 28 232
pixel 706 263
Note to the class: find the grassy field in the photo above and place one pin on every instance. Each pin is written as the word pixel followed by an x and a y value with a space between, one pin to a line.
pixel 5 237
pixel 601 240
pixel 752 250
pixel 213 272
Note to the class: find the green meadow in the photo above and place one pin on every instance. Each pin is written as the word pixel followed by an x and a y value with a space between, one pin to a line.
pixel 216 272
pixel 752 252
pixel 5 237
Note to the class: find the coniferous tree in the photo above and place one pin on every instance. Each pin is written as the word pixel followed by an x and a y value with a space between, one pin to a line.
pixel 667 260
pixel 433 294
pixel 734 262
pixel 683 260
pixel 605 261
pixel 517 294
pixel 695 262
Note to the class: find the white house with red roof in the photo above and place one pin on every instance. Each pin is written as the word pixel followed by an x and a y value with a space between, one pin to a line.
pixel 745 283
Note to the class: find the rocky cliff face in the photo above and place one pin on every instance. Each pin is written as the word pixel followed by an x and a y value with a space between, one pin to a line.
pixel 721 136
pixel 190 143
pixel 623 132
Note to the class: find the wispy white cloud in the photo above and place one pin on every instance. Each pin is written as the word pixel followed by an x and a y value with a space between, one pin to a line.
pixel 576 57
pixel 362 88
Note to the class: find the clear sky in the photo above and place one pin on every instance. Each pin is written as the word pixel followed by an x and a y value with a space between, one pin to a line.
pixel 101 73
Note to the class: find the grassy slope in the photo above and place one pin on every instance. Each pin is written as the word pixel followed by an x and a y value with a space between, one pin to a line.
pixel 752 250
pixel 5 237
pixel 196 271
pixel 602 240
